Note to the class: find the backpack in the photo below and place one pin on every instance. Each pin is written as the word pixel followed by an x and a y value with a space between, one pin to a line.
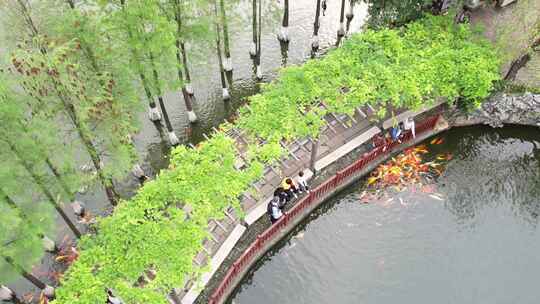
pixel 269 209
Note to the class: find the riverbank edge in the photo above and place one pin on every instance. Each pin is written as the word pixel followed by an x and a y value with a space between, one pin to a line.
pixel 488 114
pixel 255 229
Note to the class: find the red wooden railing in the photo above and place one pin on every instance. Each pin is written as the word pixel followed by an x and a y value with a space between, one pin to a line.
pixel 314 196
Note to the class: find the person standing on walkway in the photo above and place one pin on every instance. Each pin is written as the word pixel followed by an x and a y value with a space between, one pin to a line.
pixel 282 195
pixel 302 182
pixel 324 7
pixel 395 132
pixel 274 210
pixel 289 187
pixel 409 125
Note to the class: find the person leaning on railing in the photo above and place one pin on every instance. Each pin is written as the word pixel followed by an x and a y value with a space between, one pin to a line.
pixel 274 209
pixel 289 187
pixel 301 181
pixel 408 124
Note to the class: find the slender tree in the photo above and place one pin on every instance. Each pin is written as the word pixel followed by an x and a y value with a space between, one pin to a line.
pixel 341 30
pixel 350 13
pixel 258 70
pixel 227 62
pixel 149 39
pixel 48 291
pixel 172 136
pixel 284 31
pixel 253 47
pixel 20 244
pixel 225 89
pixel 51 72
pixel 182 62
pixel 316 26
pixel 20 152
pixel 38 225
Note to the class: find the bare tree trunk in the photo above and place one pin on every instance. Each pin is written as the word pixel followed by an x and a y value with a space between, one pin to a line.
pixel 521 61
pixel 173 139
pixel 225 90
pixel 253 48
pixel 341 30
pixel 314 152
pixel 227 64
pixel 284 32
pixel 350 14
pixel 316 26
pixel 258 70
pixel 182 61
pixel 47 290
pixel 189 87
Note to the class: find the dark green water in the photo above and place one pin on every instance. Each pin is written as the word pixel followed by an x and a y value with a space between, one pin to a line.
pixel 479 242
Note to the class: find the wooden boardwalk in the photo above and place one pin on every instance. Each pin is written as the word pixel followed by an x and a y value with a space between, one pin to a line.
pixel 340 135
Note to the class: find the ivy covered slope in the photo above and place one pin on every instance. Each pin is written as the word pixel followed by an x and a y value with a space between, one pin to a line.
pixel 407 67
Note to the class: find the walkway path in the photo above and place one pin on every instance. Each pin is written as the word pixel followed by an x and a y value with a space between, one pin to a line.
pixel 341 135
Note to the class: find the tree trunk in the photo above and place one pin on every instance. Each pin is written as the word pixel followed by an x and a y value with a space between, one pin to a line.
pixel 253 48
pixel 27 275
pixel 45 189
pixel 284 32
pixel 182 61
pixel 314 152
pixel 341 30
pixel 227 65
pixel 11 203
pixel 350 14
pixel 7 294
pixel 172 136
pixel 189 87
pixel 225 90
pixel 521 61
pixel 258 70
pixel 70 109
pixel 316 26
pixel 107 182
pixel 52 167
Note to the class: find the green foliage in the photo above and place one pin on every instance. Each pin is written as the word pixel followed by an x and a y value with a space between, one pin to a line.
pixel 399 68
pixel 163 226
pixel 154 230
pixel 383 13
pixel 23 217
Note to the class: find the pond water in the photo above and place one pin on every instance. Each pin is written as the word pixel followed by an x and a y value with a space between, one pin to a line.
pixel 153 148
pixel 473 239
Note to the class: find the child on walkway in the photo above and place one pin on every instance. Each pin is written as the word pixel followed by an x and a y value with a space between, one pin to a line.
pixel 302 182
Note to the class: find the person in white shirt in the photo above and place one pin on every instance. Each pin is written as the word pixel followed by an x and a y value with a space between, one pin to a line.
pixel 409 125
pixel 111 299
pixel 301 181
pixel 274 210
